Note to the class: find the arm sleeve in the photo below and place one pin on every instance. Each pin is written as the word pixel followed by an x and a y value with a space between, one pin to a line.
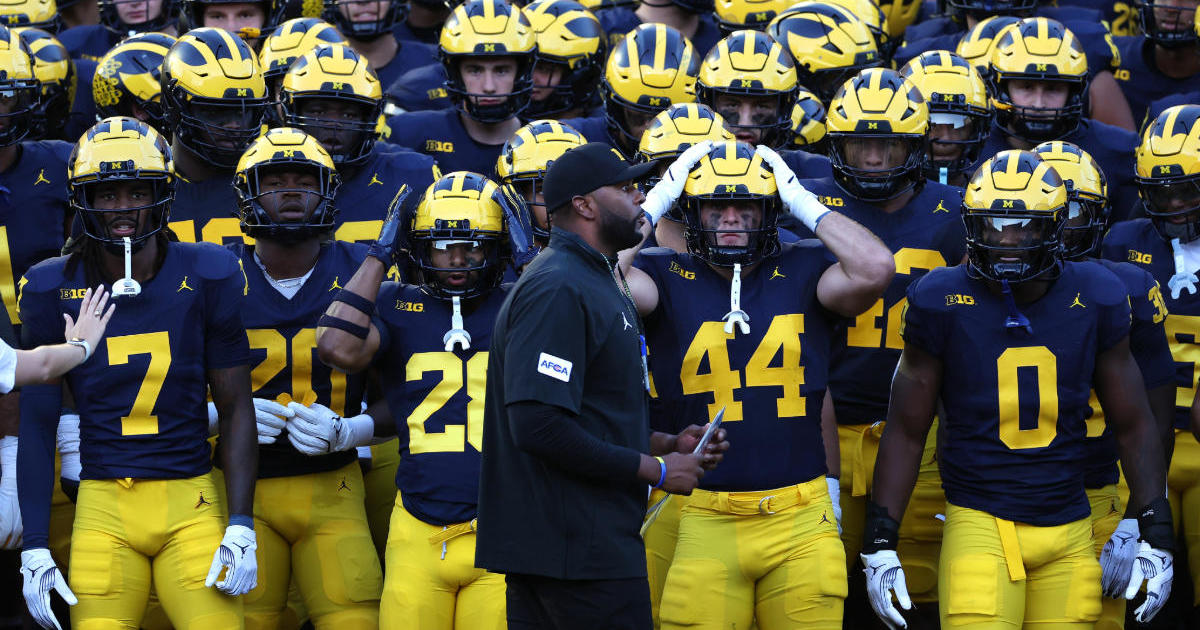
pixel 225 342
pixel 552 434
pixel 546 348
pixel 40 405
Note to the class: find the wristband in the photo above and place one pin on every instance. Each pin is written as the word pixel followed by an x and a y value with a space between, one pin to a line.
pixel 82 343
pixel 1155 525
pixel 355 301
pixel 662 471
pixel 882 531
pixel 329 321
pixel 241 519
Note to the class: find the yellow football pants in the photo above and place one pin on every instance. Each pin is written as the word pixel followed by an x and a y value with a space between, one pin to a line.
pixel 1183 490
pixel 771 556
pixel 997 574
pixel 381 491
pixel 431 582
pixel 1107 510
pixel 660 546
pixel 131 532
pixel 314 528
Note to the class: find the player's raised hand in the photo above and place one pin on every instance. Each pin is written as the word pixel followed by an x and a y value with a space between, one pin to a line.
pixel 885 577
pixel 94 313
pixel 236 557
pixel 384 247
pixel 670 187
pixel 798 200
pixel 40 576
pixel 1116 559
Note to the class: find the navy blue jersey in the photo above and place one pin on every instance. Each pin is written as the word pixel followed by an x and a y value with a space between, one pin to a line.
pixel 83 108
pixel 1160 105
pixel 925 234
pixel 365 193
pixel 436 397
pixel 618 21
pixel 283 352
pixel 1138 242
pixel 33 213
pixel 771 382
pixel 1113 149
pixel 592 128
pixel 141 397
pixel 807 165
pixel 421 89
pixel 88 41
pixel 1121 15
pixel 409 56
pixel 1011 436
pixel 405 32
pixel 442 136
pixel 1148 344
pixel 207 211
pixel 935 26
pixel 1140 79
pixel 1097 42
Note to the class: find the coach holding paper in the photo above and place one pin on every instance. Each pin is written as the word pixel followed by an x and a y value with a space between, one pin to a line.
pixel 566 423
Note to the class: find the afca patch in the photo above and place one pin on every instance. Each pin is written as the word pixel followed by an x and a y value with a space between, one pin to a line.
pixel 554 367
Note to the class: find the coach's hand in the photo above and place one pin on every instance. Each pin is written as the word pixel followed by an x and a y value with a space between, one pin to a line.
pixel 684 471
pixel 236 557
pixel 688 438
pixel 884 577
pixel 41 576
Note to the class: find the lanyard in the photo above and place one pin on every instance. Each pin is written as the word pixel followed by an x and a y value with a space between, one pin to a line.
pixel 627 297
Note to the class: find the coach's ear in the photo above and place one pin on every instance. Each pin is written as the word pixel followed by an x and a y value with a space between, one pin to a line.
pixel 584 206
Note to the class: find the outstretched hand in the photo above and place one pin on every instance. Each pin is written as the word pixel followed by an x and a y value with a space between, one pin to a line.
pixel 94 313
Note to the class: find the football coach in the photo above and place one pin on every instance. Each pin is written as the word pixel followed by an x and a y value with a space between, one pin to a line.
pixel 568 453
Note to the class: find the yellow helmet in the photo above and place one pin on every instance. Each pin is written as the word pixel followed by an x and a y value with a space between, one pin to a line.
pixel 976 44
pixel 829 44
pixel 678 127
pixel 16 76
pixel 900 15
pixel 488 29
pixel 749 64
pixel 1168 172
pixel 570 37
pixel 1039 49
pixel 873 16
pixel 878 105
pixel 320 88
pixel 121 149
pixel 654 67
pixel 210 79
pixel 957 97
pixel 54 69
pixel 1014 207
pixel 289 41
pixel 286 150
pixel 1087 196
pixel 808 123
pixel 41 14
pixel 731 173
pixel 736 15
pixel 127 79
pixel 1168 24
pixel 526 156
pixel 461 208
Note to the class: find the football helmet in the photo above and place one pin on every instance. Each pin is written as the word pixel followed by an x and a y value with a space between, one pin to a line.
pixel 526 156
pixel 461 208
pixel 731 172
pixel 191 13
pixel 596 5
pixel 874 116
pixel 41 14
pixel 214 95
pixel 957 97
pixel 333 79
pixel 110 18
pixel 289 41
pixel 568 37
pixel 488 29
pixel 749 64
pixel 808 123
pixel 654 67
pixel 367 30
pixel 1168 173
pixel 55 71
pixel 1038 49
pixel 980 9
pixel 828 43
pixel 1168 24
pixel 900 15
pixel 285 149
pixel 121 149
pixel 671 132
pixel 18 81
pixel 127 79
pixel 976 44
pixel 1013 210
pixel 1087 196
pixel 737 15
pixel 876 20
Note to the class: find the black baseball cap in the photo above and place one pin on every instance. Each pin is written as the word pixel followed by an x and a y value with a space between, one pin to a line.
pixel 584 169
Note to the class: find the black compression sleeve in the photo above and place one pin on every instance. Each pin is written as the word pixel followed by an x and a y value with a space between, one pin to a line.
pixel 551 433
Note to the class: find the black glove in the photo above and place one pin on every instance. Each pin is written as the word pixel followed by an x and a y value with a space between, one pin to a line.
pixel 384 247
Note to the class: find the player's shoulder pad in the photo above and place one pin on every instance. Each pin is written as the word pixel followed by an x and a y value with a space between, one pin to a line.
pixel 1132 232
pixel 47 275
pixel 353 253
pixel 211 261
pixel 931 289
pixel 47 151
pixel 401 159
pixel 1136 280
pixel 1100 283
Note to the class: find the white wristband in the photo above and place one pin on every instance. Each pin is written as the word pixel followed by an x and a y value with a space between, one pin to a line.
pixel 82 343
pixel 809 210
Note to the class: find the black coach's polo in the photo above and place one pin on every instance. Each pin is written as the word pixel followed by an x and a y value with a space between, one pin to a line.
pixel 566 336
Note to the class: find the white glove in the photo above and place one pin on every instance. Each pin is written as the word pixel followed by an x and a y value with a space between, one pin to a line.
pixel 68 446
pixel 271 418
pixel 1116 560
pixel 1156 568
pixel 801 203
pixel 236 556
pixel 317 430
pixel 670 187
pixel 885 576
pixel 10 507
pixel 835 495
pixel 214 420
pixel 41 576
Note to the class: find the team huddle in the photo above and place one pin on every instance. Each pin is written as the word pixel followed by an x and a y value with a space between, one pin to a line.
pixel 932 266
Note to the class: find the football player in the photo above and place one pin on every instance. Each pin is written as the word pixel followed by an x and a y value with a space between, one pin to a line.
pixel 758 539
pixel 41 14
pixel 570 59
pixel 120 19
pixel 750 80
pixel 76 13
pixel 740 15
pixel 423 21
pixel 1085 223
pixel 975 45
pixel 873 16
pixel 309 512
pixel 148 510
pixel 1017 541
pixel 808 124
pixel 287 43
pixel 960 113
pixel 249 20
pixel 829 43
pixel 433 335
pixel 371 25
pixel 65 109
pixel 693 19
pixel 1165 244
pixel 215 101
pixel 127 83
pixel 1163 59
pixel 522 166
pixel 487 48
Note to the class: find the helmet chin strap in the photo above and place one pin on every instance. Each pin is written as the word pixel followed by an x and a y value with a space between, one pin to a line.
pixel 1183 278
pixel 736 315
pixel 127 285
pixel 1015 319
pixel 457 335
